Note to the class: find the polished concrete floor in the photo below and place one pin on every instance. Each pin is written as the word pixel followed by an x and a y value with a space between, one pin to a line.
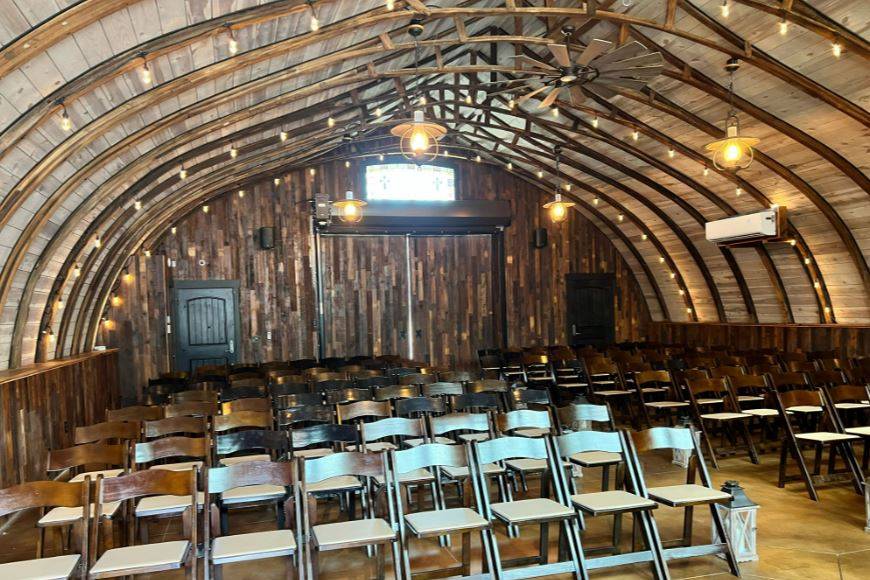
pixel 797 538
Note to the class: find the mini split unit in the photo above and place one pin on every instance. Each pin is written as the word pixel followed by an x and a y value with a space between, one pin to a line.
pixel 759 226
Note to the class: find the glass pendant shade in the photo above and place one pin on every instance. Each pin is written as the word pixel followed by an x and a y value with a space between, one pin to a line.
pixel 419 138
pixel 734 151
pixel 349 210
pixel 558 209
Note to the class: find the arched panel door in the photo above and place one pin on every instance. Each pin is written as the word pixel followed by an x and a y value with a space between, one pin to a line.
pixel 206 323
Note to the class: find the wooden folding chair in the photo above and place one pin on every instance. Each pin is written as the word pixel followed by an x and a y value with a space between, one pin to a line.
pixel 711 405
pixel 241 420
pixel 441 520
pixel 277 479
pixel 111 431
pixel 658 395
pixel 850 409
pixel 255 404
pixel 540 511
pixel 192 409
pixel 135 413
pixel 71 498
pixel 182 425
pixel 148 558
pixel 751 395
pixel 343 396
pixel 581 416
pixel 370 531
pixel 616 503
pixel 684 496
pixel 361 411
pixel 605 385
pixel 396 392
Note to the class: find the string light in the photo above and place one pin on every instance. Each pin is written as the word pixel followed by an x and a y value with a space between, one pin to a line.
pixel 378 112
pixel 682 292
pixel 233 44
pixel 147 253
pixel 511 103
pixel 173 230
pixel 468 99
pixel 817 285
pixel 688 310
pixel 330 122
pixel 312 172
pixel 827 309
pixel 116 300
pixel 381 157
pixel 234 152
pixel 635 135
pixel 671 153
pixel 706 171
pixel 540 174
pixel 241 193
pixel 595 201
pixel 146 72
pixel 277 181
pixel 738 192
pixel 807 261
pixel 555 111
pixel 65 121
pixel 644 237
pixel 347 164
pixel 792 242
pixel 391 4
pixel 422 101
pixel 128 277
pixel 510 166
pixel 477 158
pixel 98 243
pixel 77 271
pixel 725 9
pixel 621 218
pixel 673 275
pixel 314 23
pixel 283 136
pixel 661 259
pixel 205 209
pixel 595 122
pixel 182 173
pixel 836 49
pixel 137 205
pixel 783 27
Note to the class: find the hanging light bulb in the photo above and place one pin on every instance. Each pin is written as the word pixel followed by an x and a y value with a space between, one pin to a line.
pixel 725 9
pixel 137 205
pixel 234 152
pixel 671 153
pixel 644 237
pixel 738 192
pixel 77 271
pixel 241 193
pixel 540 174
pixel 555 111
pixel 511 103
pixel 173 230
pixel 116 300
pixel 477 158
pixel 595 122
pixel 706 171
pixel 419 138
pixel 147 253
pixel 836 49
pixel 65 121
pixel 330 122
pixel 391 4
pixel 283 136
pixel 682 292
pixel 205 209
pixel 635 135
pixel 621 218
pixel 783 27
pixel 350 210
pixel 661 259
pixel 347 164
pixel 734 152
pixel 232 44
pixel 381 157
pixel 312 172
pixel 182 173
pixel 673 275
pixel 128 277
pixel 146 72
pixel 510 166
pixel 468 99
pixel 277 181
pixel 422 101
pixel 596 201
pixel 98 243
pixel 378 112
pixel 314 23
pixel 557 209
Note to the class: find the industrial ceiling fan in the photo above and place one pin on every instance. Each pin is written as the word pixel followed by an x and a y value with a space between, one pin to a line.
pixel 597 66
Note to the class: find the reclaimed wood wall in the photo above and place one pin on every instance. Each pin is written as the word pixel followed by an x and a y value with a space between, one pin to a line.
pixel 42 404
pixel 850 340
pixel 364 279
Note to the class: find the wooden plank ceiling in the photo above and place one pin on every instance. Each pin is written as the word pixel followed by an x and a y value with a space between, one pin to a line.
pixel 62 190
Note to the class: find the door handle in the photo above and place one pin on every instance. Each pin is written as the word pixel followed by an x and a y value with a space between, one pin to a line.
pixel 232 346
pixel 573 329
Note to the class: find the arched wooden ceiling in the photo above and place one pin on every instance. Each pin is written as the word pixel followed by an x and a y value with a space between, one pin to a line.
pixel 59 190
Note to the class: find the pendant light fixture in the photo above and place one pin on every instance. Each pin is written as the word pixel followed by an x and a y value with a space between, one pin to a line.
pixel 314 23
pixel 557 208
pixel 419 138
pixel 146 76
pixel 349 210
pixel 734 152
pixel 232 44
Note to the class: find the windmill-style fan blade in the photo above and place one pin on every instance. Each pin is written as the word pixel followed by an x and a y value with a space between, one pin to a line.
pixel 620 82
pixel 550 99
pixel 646 73
pixel 601 90
pixel 576 95
pixel 594 49
pixel 560 53
pixel 505 91
pixel 502 82
pixel 653 59
pixel 523 59
pixel 528 96
pixel 624 52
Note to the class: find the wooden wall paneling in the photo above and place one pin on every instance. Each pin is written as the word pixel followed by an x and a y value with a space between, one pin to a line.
pixel 42 404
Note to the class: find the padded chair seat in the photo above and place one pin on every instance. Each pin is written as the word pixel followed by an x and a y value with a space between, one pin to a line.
pixel 724 416
pixel 340 483
pixel 862 431
pixel 469 437
pixel 93 475
pixel 596 458
pixel 749 398
pixel 375 446
pixel 158 505
pixel 313 452
pixel 539 379
pixel 255 545
pixel 244 458
pixel 418 442
pixel 850 406
pixel 529 465
pixel 761 412
pixel 531 432
pixel 687 494
pixel 530 510
pixel 572 385
pixel 666 404
pixel 825 437
pixel 413 476
pixel 654 389
pixel 161 556
pixel 613 393
pixel 253 493
pixel 804 409
pixel 607 502
pixel 181 466
pixel 462 472
pixel 67 515
pixel 449 520
pixel 41 569
pixel 709 401
pixel 352 533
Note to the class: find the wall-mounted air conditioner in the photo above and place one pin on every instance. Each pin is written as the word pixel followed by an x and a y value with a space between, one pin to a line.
pixel 746 228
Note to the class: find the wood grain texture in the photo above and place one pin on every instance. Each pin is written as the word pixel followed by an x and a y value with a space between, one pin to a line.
pixel 850 340
pixel 42 404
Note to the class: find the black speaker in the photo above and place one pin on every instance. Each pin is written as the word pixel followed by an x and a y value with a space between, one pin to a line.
pixel 267 238
pixel 539 238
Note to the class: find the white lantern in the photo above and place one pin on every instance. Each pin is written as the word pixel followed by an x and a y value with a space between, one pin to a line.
pixel 740 520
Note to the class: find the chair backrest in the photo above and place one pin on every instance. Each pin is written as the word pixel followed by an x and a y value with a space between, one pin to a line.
pixel 275 442
pixel 174 426
pixel 444 424
pixel 298 400
pixel 584 441
pixel 455 377
pixel 172 447
pixel 259 404
pixel 574 413
pixel 242 420
pixel 523 419
pixel 524 398
pixel 721 372
pixel 375 382
pixel 442 389
pixel 830 378
pixel 402 371
pixel 808 397
pixel 428 456
pixel 849 393
pixel 599 365
pixel 326 385
pixel 108 431
pixel 135 413
pixel 788 357
pixel 320 434
pixel 108 454
pixel 800 366
pixel 319 376
pixel 45 494
pixel 338 464
pixel 664 438
pixel 342 396
pixel 307 414
pixel 286 381
pixel 396 392
pixel 246 385
pixel 195 396
pixel 418 406
pixel 503 448
pixel 391 427
pixel 193 409
pixel 743 384
pixel 349 412
pixel 221 479
pixel 713 388
pixel 789 380
pixel 655 378
pixel 243 392
pixel 475 401
pixel 355 372
pixel 487 386
pixel 417 379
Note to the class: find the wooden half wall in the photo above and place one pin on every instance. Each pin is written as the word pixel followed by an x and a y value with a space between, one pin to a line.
pixel 42 404
pixel 849 340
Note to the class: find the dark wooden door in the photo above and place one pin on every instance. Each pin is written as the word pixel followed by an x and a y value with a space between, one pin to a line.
pixel 590 314
pixel 206 319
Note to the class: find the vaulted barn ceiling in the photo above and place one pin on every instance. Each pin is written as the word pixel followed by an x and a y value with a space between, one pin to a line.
pixel 60 190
